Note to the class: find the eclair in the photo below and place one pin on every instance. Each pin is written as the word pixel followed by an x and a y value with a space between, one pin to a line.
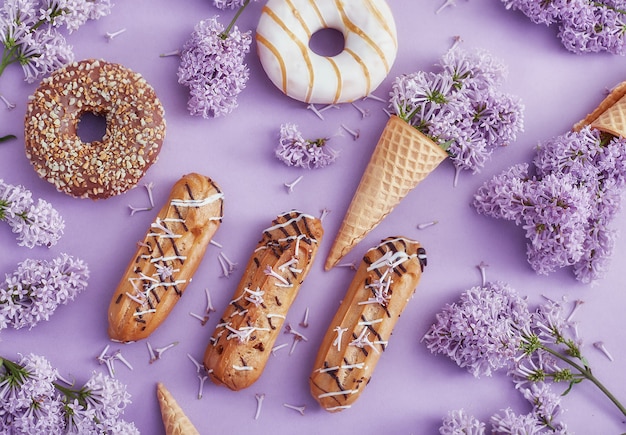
pixel 243 339
pixel 359 332
pixel 166 259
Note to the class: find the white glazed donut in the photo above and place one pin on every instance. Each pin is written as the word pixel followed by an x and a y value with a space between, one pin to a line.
pixel 285 29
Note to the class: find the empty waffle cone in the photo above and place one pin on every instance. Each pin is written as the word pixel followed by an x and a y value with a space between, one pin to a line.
pixel 402 158
pixel 610 115
pixel 174 419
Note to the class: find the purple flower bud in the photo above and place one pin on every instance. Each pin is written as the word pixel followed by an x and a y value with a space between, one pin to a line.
pixel 31 36
pixel 294 150
pixel 481 331
pixel 33 292
pixel 36 224
pixel 566 209
pixel 212 67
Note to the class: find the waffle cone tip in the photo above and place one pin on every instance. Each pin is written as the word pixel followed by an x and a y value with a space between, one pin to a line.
pixel 175 421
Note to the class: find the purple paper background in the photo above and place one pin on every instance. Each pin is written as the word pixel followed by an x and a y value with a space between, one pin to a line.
pixel 411 389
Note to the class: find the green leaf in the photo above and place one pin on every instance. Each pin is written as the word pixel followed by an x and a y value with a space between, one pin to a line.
pixel 7 138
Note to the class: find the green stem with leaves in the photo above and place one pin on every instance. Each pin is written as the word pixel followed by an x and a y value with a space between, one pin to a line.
pixel 585 372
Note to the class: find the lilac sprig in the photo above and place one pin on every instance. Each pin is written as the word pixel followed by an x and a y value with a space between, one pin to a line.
pixel 583 26
pixel 475 331
pixel 35 223
pixel 566 208
pixel 212 66
pixel 33 400
pixel 460 107
pixel 230 4
pixel 34 291
pixel 491 328
pixel 458 422
pixel 294 150
pixel 506 422
pixel 30 32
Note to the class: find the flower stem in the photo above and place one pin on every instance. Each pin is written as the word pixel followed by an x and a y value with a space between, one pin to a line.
pixel 8 137
pixel 586 373
pixel 8 57
pixel 226 31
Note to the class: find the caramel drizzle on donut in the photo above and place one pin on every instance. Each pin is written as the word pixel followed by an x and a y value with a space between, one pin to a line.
pixel 318 12
pixel 302 47
pixel 309 34
pixel 382 21
pixel 298 16
pixel 366 72
pixel 339 80
pixel 354 28
pixel 279 58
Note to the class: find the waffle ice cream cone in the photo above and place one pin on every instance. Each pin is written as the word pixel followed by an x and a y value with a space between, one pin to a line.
pixel 402 158
pixel 174 419
pixel 610 115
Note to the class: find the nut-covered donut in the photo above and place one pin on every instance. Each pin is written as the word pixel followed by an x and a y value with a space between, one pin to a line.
pixel 370 46
pixel 135 129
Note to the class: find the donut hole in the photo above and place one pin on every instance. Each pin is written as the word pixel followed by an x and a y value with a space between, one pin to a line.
pixel 91 127
pixel 327 42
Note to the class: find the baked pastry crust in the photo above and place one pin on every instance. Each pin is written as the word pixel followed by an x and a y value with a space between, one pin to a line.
pixel 242 342
pixel 166 259
pixel 359 332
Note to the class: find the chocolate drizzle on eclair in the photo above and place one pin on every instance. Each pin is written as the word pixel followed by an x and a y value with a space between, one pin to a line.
pixel 255 315
pixel 360 330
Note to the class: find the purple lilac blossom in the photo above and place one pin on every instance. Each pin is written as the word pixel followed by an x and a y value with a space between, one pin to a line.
pixel 103 406
pixel 230 4
pixel 30 32
pixel 583 26
pixel 212 67
pixel 481 331
pixel 567 207
pixel 32 402
pixel 294 150
pixel 36 224
pixel 33 292
pixel 514 424
pixel 460 107
pixel 458 422
pixel 546 405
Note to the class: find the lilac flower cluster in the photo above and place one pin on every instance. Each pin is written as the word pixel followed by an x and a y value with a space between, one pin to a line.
pixel 34 291
pixel 294 150
pixel 230 4
pixel 32 400
pixel 34 223
pixel 491 328
pixel 584 26
pixel 460 423
pixel 30 32
pixel 460 107
pixel 566 208
pixel 212 67
pixel 475 332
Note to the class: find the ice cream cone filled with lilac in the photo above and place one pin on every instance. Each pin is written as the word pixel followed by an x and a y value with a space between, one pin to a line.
pixel 610 115
pixel 457 113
